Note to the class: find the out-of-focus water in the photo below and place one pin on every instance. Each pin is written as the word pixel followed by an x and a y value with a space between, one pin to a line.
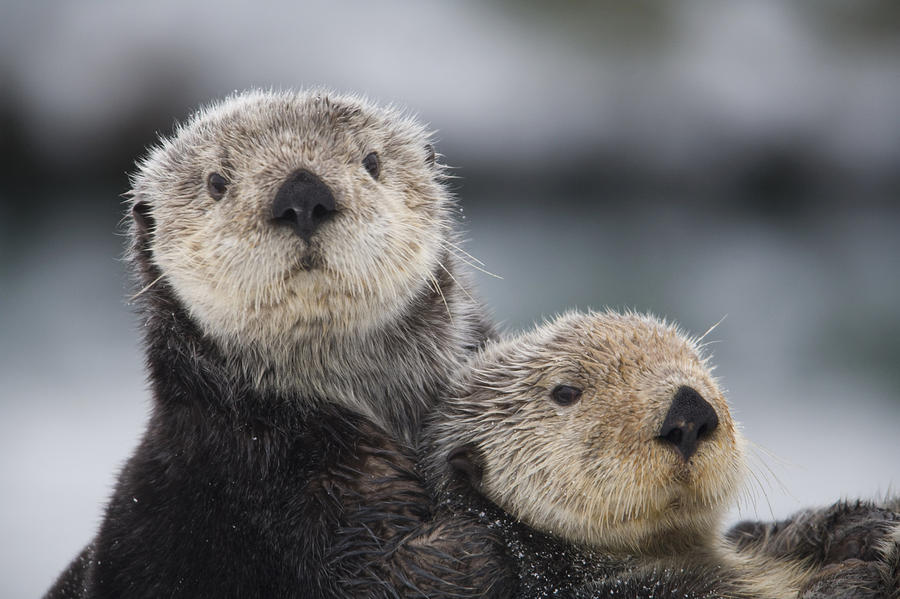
pixel 688 87
pixel 801 351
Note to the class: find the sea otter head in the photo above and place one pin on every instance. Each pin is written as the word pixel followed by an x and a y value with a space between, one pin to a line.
pixel 278 216
pixel 604 429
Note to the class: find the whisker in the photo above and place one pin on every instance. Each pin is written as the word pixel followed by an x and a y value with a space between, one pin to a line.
pixel 437 287
pixel 145 289
pixel 458 284
pixel 711 329
pixel 763 483
pixel 461 254
pixel 464 252
pixel 478 268
pixel 757 449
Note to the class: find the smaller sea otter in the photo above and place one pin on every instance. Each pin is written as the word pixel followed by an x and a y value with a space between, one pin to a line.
pixel 603 450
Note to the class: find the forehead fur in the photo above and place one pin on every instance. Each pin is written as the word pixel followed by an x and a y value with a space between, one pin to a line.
pixel 598 344
pixel 263 121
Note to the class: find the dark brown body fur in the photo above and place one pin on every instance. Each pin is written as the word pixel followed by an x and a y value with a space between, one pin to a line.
pixel 854 546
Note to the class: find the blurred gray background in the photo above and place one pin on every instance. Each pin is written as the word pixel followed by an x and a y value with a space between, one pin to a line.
pixel 697 159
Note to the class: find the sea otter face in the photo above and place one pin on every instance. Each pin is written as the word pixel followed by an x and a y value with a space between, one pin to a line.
pixel 272 215
pixel 603 429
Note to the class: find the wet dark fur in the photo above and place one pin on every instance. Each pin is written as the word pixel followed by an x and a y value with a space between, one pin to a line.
pixel 237 493
pixel 845 541
pixel 281 507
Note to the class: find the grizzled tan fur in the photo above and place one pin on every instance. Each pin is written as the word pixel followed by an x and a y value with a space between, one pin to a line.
pixel 594 473
pixel 324 318
pixel 601 476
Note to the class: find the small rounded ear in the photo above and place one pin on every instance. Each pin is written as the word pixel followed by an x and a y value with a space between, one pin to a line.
pixel 429 154
pixel 463 461
pixel 143 220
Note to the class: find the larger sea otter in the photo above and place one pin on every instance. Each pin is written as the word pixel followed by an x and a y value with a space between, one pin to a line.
pixel 299 299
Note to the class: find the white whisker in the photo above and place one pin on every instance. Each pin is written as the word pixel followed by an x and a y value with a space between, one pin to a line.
pixel 146 288
pixel 437 287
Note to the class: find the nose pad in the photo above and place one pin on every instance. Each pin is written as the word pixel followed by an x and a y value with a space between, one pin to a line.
pixel 690 420
pixel 303 202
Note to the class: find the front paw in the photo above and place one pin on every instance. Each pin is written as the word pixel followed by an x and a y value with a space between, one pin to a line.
pixel 831 535
pixel 850 579
pixel 858 531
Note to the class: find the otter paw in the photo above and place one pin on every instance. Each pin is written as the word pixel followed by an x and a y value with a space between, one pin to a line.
pixel 858 532
pixel 851 579
pixel 831 535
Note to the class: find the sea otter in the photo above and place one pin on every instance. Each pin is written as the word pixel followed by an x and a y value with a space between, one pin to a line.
pixel 602 450
pixel 302 306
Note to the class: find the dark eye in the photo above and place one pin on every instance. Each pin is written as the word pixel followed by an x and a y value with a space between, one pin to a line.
pixel 216 185
pixel 565 395
pixel 372 164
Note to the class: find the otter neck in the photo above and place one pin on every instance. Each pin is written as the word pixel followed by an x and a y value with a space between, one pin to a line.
pixel 392 374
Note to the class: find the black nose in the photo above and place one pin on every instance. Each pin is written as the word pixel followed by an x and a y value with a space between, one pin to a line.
pixel 303 202
pixel 690 420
